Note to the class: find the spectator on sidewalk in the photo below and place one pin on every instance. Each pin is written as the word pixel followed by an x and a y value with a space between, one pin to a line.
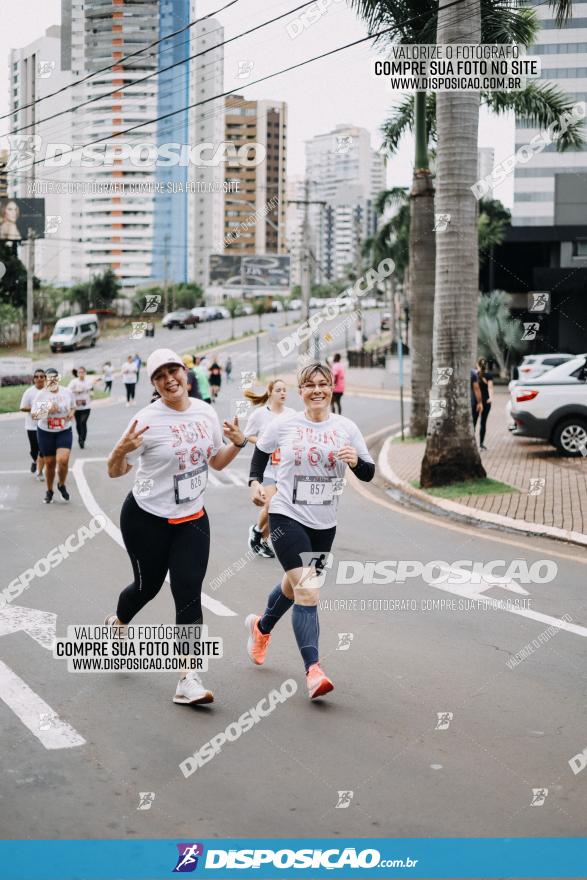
pixel 338 379
pixel 138 364
pixel 481 398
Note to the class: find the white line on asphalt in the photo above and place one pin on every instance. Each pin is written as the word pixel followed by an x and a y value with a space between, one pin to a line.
pixel 94 509
pixel 523 612
pixel 213 480
pixel 29 707
pixel 14 472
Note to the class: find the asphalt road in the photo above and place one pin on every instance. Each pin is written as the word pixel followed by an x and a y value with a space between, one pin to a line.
pixel 412 773
pixel 214 334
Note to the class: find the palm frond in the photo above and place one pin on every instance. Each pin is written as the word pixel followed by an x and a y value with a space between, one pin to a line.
pixel 391 198
pixel 541 106
pixel 402 122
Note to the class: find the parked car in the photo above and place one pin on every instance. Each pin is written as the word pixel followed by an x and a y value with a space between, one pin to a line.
pixel 199 312
pixel 74 332
pixel 534 365
pixel 385 321
pixel 181 318
pixel 222 312
pixel 294 305
pixel 554 406
pixel 245 309
pixel 276 306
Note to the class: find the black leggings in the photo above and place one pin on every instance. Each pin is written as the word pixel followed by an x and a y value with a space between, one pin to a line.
pixel 291 539
pixel 130 390
pixel 484 414
pixel 156 547
pixel 34 444
pixel 81 422
pixel 335 403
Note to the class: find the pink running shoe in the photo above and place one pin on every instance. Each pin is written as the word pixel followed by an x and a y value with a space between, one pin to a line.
pixel 318 683
pixel 258 642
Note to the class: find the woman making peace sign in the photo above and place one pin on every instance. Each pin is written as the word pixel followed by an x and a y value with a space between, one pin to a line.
pixel 163 521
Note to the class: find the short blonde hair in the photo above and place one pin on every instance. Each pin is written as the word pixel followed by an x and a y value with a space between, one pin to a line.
pixel 306 373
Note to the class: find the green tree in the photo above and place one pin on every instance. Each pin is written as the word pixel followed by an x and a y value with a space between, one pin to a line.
pixel 186 295
pixel 498 334
pixel 104 289
pixel 13 282
pixel 259 309
pixel 234 306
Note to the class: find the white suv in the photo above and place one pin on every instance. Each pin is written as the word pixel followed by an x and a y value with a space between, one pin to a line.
pixel 534 365
pixel 553 407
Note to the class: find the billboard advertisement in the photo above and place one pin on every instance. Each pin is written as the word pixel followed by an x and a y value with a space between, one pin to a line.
pixel 268 271
pixel 17 216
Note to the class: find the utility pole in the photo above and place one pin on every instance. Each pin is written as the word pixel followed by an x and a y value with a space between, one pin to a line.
pixel 29 290
pixel 165 278
pixel 305 265
pixel 306 281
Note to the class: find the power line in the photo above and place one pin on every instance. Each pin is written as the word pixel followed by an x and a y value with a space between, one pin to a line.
pixel 233 91
pixel 125 58
pixel 157 72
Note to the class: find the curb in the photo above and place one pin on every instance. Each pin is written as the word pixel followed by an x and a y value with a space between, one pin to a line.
pixel 411 494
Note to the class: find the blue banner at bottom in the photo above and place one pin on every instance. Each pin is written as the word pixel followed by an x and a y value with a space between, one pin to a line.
pixel 517 857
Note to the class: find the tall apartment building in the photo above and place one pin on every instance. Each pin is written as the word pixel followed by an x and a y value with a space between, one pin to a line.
pixel 563 54
pixel 262 188
pixel 35 72
pixel 345 172
pixel 130 231
pixel 206 126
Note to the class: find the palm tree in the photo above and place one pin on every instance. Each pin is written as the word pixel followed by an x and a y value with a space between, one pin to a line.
pixel 451 453
pixel 415 22
pixel 390 241
pixel 499 335
pixel 540 105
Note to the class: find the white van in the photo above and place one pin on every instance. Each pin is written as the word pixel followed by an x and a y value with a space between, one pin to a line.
pixel 74 332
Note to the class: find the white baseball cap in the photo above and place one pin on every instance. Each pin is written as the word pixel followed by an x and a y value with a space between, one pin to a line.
pixel 160 357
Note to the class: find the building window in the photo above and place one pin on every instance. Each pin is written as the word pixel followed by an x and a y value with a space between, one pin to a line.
pixel 580 248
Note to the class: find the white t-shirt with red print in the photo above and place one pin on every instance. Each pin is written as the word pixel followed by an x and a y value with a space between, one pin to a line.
pixel 172 473
pixel 309 476
pixel 258 421
pixel 59 419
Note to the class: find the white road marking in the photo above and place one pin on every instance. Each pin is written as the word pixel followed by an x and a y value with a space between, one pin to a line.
pixel 94 509
pixel 29 707
pixel 213 480
pixel 467 591
pixel 15 472
pixel 39 625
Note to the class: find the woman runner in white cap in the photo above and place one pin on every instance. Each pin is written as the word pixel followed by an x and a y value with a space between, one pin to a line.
pixel 163 520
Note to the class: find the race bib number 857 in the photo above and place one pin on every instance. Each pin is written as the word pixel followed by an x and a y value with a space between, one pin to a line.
pixel 313 490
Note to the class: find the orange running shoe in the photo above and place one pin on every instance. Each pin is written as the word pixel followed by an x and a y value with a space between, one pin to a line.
pixel 318 683
pixel 258 642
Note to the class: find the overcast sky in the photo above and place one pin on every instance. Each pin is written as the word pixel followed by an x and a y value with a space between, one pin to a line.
pixel 338 89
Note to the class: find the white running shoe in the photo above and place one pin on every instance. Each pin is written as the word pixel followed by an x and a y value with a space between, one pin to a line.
pixel 120 632
pixel 191 691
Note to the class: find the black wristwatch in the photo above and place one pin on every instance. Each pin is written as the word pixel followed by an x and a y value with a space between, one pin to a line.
pixel 241 445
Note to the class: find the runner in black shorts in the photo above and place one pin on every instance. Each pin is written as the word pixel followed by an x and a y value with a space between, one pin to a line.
pixel 316 447
pixel 30 424
pixel 53 410
pixel 163 520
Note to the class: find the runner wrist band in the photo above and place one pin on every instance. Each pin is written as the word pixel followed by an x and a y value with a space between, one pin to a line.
pixel 241 445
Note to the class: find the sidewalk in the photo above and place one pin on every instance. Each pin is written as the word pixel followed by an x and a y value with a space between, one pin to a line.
pixel 556 511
